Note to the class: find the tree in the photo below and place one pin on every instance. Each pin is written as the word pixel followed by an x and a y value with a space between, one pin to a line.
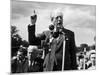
pixel 25 43
pixel 13 30
pixel 16 40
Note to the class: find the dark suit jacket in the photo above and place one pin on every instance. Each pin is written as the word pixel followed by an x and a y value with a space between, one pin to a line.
pixel 17 66
pixel 24 66
pixel 37 67
pixel 70 49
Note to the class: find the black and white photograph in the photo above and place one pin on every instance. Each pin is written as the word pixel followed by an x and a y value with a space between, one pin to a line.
pixel 50 36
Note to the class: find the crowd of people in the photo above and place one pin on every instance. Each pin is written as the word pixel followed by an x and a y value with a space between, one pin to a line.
pixel 31 59
pixel 52 50
pixel 28 60
pixel 86 60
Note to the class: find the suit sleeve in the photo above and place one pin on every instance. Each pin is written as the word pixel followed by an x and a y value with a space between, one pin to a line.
pixel 32 38
pixel 73 52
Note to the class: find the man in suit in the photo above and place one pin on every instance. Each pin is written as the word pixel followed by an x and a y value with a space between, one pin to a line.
pixel 91 64
pixel 18 61
pixel 60 54
pixel 33 62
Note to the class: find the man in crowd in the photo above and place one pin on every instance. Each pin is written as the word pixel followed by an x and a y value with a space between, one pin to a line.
pixel 91 64
pixel 62 50
pixel 81 62
pixel 33 63
pixel 18 61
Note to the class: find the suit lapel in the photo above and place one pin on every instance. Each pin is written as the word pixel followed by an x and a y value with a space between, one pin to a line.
pixel 60 39
pixel 26 66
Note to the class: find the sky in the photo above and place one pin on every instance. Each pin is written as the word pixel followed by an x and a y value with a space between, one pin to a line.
pixel 81 19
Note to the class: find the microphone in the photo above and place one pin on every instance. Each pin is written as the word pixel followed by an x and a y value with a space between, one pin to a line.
pixel 51 27
pixel 55 34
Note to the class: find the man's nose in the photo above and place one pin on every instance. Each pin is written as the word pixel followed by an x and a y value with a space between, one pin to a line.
pixel 59 18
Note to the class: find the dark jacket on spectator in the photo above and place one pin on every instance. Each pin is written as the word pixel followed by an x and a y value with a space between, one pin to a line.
pixel 24 67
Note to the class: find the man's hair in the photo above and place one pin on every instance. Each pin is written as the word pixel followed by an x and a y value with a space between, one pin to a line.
pixel 80 57
pixel 55 13
pixel 33 48
pixel 23 50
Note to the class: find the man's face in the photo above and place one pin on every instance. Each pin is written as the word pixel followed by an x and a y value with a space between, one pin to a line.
pixel 32 54
pixel 58 20
pixel 81 61
pixel 93 57
pixel 20 55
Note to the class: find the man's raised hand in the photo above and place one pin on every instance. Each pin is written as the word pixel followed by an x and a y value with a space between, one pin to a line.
pixel 33 18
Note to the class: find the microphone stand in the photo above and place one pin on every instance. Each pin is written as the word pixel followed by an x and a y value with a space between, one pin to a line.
pixel 64 45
